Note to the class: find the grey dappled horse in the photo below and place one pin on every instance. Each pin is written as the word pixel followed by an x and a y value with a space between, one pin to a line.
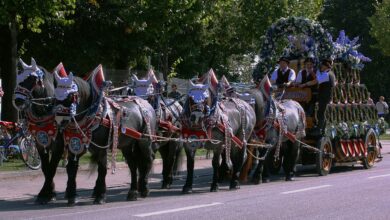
pixel 203 112
pixel 290 117
pixel 33 98
pixel 167 113
pixel 78 103
pixel 130 114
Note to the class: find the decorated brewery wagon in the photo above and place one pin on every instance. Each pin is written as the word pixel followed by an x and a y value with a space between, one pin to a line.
pixel 351 130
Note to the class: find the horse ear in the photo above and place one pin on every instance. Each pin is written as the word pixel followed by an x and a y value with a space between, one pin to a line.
pixel 56 76
pixel 135 77
pixel 24 65
pixel 70 76
pixel 192 85
pixel 33 64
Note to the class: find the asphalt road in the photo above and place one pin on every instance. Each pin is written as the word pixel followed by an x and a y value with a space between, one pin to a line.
pixel 347 193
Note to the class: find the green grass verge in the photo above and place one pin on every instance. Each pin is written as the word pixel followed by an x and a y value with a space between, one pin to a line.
pixel 18 165
pixel 385 137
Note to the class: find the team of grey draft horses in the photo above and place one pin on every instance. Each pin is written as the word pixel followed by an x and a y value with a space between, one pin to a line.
pixel 69 113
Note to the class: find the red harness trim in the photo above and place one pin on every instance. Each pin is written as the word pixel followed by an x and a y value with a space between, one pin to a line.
pixel 287 134
pixel 167 125
pixel 200 134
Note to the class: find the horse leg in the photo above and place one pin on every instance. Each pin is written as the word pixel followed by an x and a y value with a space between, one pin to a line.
pixel 164 151
pixel 49 168
pixel 238 157
pixel 289 159
pixel 190 153
pixel 44 194
pixel 130 157
pixel 99 191
pixel 216 167
pixel 71 169
pixel 223 169
pixel 144 166
pixel 261 173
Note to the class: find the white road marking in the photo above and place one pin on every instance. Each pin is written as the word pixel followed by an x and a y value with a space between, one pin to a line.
pixel 373 177
pixel 306 189
pixel 178 209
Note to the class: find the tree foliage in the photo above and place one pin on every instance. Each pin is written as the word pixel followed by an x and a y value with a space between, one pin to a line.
pixel 380 27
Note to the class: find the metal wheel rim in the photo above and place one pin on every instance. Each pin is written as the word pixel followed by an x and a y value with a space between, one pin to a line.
pixel 371 154
pixel 30 153
pixel 327 161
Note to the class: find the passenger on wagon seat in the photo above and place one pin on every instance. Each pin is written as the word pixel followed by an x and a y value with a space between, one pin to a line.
pixel 307 79
pixel 283 76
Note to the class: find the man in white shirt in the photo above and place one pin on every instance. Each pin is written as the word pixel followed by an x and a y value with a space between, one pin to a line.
pixel 283 76
pixel 326 81
pixel 382 107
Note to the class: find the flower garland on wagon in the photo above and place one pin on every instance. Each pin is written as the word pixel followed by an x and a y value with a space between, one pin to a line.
pixel 322 42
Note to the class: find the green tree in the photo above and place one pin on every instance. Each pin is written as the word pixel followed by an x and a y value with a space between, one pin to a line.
pixel 17 16
pixel 380 26
pixel 352 16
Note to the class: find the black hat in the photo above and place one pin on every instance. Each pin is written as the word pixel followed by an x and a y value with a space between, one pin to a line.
pixel 309 59
pixel 327 63
pixel 285 59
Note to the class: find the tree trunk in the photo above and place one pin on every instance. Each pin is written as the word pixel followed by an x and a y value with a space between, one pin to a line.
pixel 9 71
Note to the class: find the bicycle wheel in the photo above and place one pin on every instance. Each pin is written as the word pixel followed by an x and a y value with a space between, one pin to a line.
pixel 29 153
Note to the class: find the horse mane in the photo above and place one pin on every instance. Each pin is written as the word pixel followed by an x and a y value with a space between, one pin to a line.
pixel 85 93
pixel 259 106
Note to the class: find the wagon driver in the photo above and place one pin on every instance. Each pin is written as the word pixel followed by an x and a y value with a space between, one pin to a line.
pixel 283 76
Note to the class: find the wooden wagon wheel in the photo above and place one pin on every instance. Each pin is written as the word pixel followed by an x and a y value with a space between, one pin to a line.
pixel 371 149
pixel 323 160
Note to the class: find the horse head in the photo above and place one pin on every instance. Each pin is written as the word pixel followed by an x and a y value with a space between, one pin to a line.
pixel 29 78
pixel 143 87
pixel 199 102
pixel 66 94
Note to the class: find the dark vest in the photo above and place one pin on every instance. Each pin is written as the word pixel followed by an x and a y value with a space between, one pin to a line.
pixel 307 77
pixel 282 78
pixel 325 88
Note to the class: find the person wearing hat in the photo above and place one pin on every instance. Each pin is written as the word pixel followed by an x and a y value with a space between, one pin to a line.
pixel 283 76
pixel 306 78
pixel 326 81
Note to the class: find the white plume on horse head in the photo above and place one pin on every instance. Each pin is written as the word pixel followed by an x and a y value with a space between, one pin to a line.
pixel 65 86
pixel 198 92
pixel 24 65
pixel 143 87
pixel 135 78
pixel 28 70
pixel 34 64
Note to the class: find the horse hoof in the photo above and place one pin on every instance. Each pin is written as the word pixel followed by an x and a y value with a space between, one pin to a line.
pixel 100 200
pixel 289 178
pixel 235 185
pixel 144 193
pixel 187 190
pixel 165 186
pixel 266 180
pixel 132 196
pixel 214 188
pixel 256 181
pixel 73 201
